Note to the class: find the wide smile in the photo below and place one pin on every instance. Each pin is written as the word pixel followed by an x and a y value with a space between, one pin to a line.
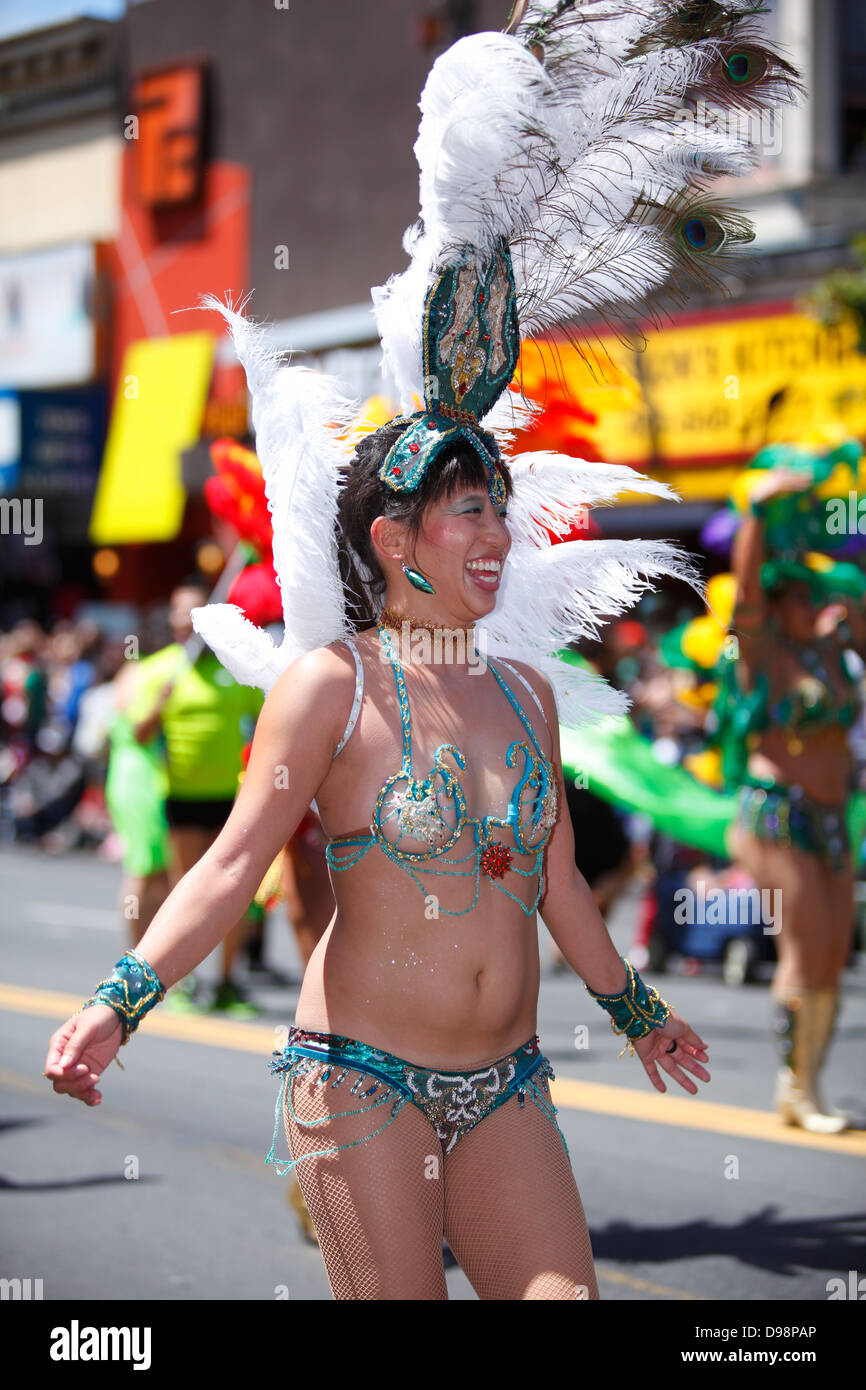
pixel 485 574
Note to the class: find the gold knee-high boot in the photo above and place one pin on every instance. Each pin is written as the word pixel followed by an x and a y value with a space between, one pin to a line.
pixel 804 1025
pixel 295 1198
pixel 828 1012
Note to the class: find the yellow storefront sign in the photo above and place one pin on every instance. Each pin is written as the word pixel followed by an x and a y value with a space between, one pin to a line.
pixel 712 393
pixel 157 413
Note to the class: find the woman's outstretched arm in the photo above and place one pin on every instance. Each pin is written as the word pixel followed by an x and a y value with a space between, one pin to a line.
pixel 570 914
pixel 300 724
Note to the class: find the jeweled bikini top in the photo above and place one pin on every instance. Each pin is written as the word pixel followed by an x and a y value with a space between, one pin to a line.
pixel 432 810
pixel 812 702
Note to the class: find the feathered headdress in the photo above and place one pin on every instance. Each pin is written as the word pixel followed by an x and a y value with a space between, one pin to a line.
pixel 564 166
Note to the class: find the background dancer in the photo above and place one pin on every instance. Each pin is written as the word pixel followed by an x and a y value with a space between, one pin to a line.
pixel 796 700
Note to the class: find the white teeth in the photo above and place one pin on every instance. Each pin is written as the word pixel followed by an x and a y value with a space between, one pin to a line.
pixel 489 566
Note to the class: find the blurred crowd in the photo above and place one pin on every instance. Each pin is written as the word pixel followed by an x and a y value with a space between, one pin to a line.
pixel 56 709
pixel 57 704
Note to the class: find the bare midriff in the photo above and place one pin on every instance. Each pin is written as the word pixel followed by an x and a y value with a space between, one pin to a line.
pixel 817 761
pixel 444 991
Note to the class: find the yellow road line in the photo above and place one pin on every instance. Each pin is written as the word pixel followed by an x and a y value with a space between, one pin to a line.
pixel 213 1032
pixel 697 1113
pixel 631 1281
pixel 621 1101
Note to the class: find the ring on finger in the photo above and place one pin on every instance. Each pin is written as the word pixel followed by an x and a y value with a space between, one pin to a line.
pixel 672 1047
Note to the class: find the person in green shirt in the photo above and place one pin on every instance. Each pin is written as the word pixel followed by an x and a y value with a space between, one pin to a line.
pixel 204 718
pixel 135 790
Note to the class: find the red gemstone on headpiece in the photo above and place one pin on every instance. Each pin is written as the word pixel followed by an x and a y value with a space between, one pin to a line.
pixel 431 424
pixel 413 448
pixel 481 298
pixel 398 472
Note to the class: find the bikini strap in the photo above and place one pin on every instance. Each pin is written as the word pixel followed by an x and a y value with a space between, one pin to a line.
pixel 404 702
pixel 356 702
pixel 402 697
pixel 515 703
pixel 525 682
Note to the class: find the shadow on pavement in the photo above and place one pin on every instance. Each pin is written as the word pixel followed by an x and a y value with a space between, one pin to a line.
pixel 763 1240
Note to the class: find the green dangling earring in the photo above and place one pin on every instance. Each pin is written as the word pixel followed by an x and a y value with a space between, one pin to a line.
pixel 418 581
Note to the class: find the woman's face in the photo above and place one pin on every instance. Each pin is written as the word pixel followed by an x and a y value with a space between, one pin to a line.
pixel 461 548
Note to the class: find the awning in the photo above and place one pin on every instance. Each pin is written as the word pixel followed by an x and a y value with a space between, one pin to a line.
pixel 711 389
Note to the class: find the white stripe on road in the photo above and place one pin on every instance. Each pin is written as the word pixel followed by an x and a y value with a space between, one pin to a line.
pixel 76 915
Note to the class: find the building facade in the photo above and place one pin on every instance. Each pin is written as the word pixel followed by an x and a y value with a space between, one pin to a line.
pixel 219 147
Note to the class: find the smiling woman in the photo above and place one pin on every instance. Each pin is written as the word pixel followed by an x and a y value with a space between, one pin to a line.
pixel 458 491
pixel 419 1008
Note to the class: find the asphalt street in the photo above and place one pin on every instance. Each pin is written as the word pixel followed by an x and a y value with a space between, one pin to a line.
pixel 687 1198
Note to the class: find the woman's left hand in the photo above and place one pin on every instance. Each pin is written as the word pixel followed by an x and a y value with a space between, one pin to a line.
pixel 655 1051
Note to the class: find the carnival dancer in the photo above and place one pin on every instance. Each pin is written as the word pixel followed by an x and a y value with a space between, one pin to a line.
pixel 794 700
pixel 418 690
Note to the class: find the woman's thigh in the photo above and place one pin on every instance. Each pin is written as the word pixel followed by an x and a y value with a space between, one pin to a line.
pixel 801 909
pixel 838 892
pixel 513 1214
pixel 377 1205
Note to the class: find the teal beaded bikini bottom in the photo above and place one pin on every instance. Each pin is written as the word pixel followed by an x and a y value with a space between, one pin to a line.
pixel 786 816
pixel 454 1102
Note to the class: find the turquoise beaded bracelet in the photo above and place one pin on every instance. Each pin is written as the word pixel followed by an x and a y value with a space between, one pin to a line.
pixel 636 1010
pixel 131 991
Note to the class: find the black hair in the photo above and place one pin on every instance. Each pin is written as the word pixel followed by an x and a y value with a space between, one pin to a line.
pixel 193 581
pixel 363 496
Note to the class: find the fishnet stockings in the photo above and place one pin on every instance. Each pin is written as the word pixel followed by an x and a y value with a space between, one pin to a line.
pixel 505 1199
pixel 377 1215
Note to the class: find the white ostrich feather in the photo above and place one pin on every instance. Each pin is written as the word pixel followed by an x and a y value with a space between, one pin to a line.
pixel 554 595
pixel 585 162
pixel 297 414
pixel 550 489
pixel 582 164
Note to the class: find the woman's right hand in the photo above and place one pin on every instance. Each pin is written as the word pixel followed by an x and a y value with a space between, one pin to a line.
pixel 80 1050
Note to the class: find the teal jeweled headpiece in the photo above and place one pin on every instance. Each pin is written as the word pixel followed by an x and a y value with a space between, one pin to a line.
pixel 471 341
